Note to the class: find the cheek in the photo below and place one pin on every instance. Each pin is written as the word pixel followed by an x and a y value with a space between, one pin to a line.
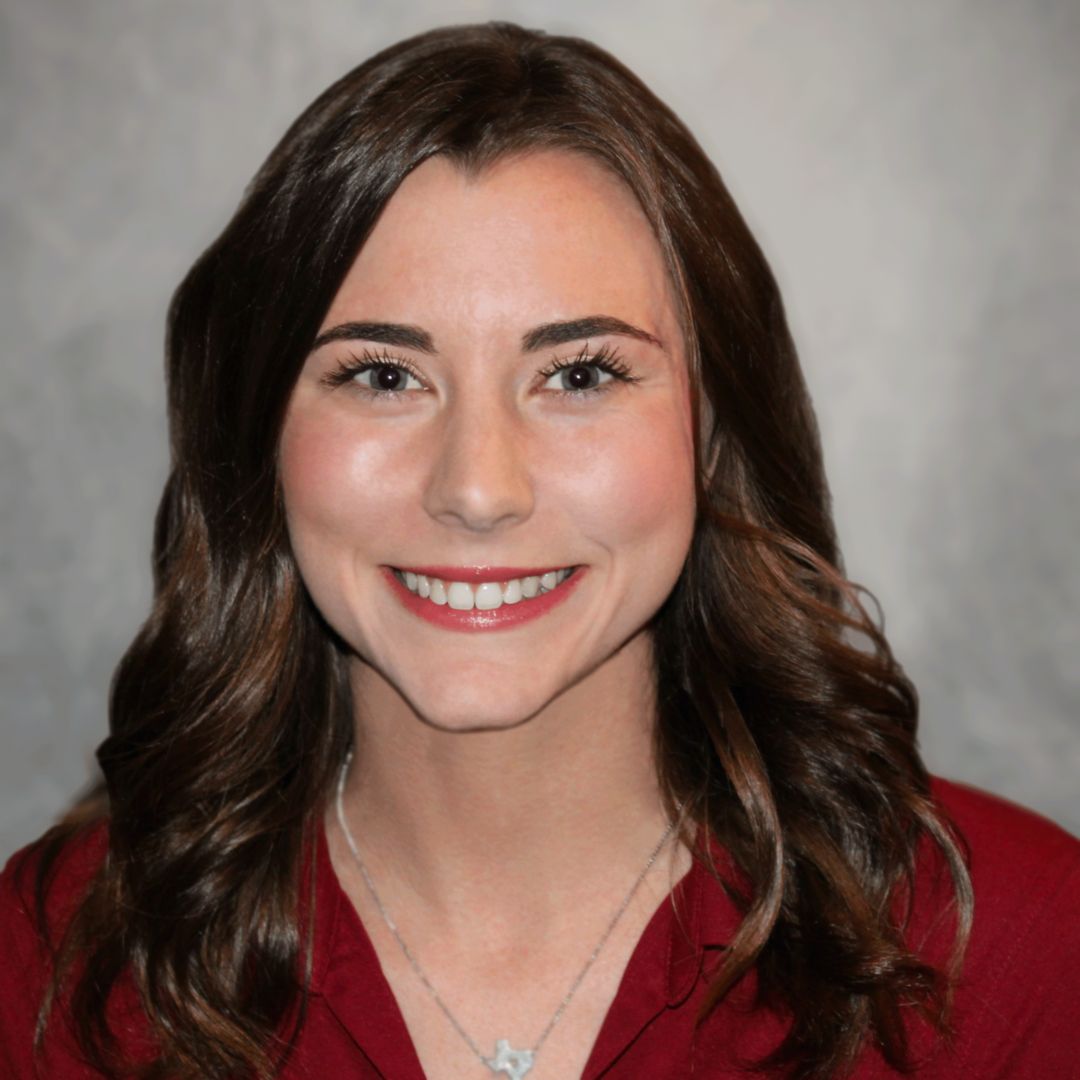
pixel 339 483
pixel 634 484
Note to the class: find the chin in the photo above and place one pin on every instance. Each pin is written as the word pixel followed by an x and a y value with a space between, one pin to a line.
pixel 479 709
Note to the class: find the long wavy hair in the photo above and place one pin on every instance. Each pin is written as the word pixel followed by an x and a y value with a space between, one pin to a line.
pixel 785 724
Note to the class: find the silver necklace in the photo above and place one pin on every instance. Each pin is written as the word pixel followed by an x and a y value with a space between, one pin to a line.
pixel 514 1063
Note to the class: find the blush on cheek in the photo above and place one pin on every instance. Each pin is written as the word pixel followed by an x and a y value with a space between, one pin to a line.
pixel 636 486
pixel 310 465
pixel 334 483
pixel 338 477
pixel 350 485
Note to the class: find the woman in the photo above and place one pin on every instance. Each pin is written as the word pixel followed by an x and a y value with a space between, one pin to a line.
pixel 503 709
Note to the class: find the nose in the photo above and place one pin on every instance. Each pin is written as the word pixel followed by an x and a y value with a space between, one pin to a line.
pixel 480 477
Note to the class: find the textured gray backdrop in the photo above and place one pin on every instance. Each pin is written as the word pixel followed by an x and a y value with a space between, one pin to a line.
pixel 912 171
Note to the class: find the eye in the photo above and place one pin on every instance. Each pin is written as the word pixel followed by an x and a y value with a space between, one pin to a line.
pixel 384 378
pixel 584 375
pixel 378 375
pixel 576 376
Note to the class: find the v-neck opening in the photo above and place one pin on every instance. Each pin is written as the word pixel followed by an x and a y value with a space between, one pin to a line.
pixel 375 1019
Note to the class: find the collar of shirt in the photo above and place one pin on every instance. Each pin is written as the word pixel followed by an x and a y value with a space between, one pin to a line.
pixel 696 917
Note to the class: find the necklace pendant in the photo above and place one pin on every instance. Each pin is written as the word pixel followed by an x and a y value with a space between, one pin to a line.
pixel 515 1063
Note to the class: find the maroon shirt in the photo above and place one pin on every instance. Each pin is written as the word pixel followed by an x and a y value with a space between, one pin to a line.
pixel 1017 1008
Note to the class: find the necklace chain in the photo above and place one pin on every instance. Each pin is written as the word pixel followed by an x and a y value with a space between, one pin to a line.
pixel 514 1062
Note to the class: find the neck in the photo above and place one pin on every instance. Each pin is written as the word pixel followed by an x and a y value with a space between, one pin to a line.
pixel 464 821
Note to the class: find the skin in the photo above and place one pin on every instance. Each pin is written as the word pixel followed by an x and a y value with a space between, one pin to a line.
pixel 492 767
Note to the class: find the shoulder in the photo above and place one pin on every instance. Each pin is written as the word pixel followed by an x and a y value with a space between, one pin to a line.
pixel 69 865
pixel 1025 876
pixel 29 933
pixel 1015 853
pixel 1025 869
pixel 1018 995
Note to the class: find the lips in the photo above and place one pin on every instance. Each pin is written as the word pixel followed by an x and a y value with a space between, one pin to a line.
pixel 474 617
pixel 486 595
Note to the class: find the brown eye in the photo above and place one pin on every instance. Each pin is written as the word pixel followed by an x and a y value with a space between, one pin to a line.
pixel 377 375
pixel 585 376
pixel 579 378
pixel 381 379
pixel 387 377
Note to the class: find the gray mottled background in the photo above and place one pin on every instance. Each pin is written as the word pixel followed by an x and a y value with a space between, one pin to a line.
pixel 912 171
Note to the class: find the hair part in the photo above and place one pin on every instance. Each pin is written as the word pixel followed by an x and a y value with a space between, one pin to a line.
pixel 785 724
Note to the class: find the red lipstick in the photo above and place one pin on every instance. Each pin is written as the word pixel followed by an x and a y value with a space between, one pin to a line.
pixel 501 618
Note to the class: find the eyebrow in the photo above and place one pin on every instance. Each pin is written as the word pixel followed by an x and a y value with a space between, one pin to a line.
pixel 404 337
pixel 545 336
pixel 559 333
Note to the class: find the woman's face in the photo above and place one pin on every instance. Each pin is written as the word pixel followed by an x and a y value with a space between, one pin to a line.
pixel 430 429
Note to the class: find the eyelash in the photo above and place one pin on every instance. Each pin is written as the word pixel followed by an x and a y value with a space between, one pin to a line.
pixel 606 359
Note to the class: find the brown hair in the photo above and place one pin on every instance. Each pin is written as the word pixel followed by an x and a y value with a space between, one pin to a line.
pixel 785 724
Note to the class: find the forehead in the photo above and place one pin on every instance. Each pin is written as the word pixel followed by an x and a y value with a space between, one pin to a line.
pixel 537 236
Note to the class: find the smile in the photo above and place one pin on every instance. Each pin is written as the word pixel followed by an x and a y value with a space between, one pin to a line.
pixel 484 595
pixel 493 600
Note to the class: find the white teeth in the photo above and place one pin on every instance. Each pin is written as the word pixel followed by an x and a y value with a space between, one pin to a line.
pixel 485 596
pixel 459 595
pixel 489 595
